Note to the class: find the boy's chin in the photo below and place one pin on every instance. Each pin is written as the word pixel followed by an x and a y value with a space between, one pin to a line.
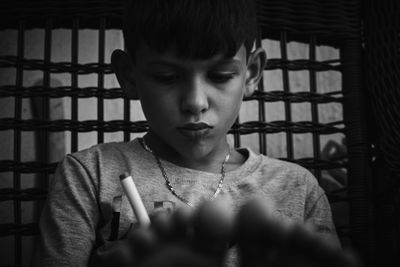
pixel 202 151
pixel 195 151
pixel 199 146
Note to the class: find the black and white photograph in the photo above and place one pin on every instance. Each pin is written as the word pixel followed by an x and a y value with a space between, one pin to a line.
pixel 199 133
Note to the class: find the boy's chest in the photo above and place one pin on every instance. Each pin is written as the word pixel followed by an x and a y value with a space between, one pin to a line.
pixel 159 197
pixel 153 197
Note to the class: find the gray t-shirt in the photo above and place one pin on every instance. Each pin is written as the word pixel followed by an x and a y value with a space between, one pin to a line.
pixel 79 208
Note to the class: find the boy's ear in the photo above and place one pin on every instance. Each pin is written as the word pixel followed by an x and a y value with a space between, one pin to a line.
pixel 255 68
pixel 123 68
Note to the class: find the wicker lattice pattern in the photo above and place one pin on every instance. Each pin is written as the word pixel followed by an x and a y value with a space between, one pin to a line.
pixel 383 74
pixel 382 42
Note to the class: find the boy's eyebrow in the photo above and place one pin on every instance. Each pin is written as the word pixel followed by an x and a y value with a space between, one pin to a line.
pixel 163 62
pixel 213 63
pixel 229 61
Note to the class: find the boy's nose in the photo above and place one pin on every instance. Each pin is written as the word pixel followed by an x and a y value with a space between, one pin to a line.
pixel 194 99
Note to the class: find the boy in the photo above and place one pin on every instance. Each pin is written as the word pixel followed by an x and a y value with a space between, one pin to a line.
pixel 190 63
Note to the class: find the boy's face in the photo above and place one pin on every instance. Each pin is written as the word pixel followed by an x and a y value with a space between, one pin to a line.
pixel 190 104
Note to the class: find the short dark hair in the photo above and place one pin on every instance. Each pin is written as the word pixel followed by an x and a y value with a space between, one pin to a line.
pixel 198 29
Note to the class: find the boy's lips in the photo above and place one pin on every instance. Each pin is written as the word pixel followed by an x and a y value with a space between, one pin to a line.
pixel 195 126
pixel 195 130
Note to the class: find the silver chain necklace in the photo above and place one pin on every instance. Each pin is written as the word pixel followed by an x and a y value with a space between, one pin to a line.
pixel 168 182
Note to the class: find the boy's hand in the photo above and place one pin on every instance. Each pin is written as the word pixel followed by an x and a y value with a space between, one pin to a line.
pixel 192 238
pixel 201 239
pixel 265 241
pixel 179 239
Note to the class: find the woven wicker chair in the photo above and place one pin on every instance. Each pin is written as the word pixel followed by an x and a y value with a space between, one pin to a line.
pixel 315 23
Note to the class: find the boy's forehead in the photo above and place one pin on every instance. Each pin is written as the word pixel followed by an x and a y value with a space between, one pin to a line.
pixel 146 54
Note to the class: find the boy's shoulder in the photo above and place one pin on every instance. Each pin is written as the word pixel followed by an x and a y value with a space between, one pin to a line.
pixel 281 169
pixel 106 151
pixel 276 164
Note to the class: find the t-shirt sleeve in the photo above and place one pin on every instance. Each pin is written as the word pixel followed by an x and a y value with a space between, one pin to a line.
pixel 69 218
pixel 318 212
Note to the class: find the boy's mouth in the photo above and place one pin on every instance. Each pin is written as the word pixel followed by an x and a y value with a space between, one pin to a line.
pixel 195 126
pixel 195 130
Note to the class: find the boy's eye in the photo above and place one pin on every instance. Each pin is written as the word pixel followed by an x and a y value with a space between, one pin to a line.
pixel 165 78
pixel 221 77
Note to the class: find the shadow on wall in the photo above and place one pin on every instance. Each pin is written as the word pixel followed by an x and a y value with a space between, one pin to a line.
pixel 334 179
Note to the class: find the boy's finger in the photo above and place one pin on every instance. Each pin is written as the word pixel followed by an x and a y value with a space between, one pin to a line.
pixel 256 223
pixel 143 242
pixel 305 246
pixel 261 236
pixel 348 259
pixel 213 228
pixel 179 256
pixel 182 219
pixel 161 223
pixel 113 253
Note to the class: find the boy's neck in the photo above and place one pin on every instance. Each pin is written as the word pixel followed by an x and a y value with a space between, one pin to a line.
pixel 210 163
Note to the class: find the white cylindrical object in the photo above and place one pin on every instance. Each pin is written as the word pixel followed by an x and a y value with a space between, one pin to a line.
pixel 135 200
